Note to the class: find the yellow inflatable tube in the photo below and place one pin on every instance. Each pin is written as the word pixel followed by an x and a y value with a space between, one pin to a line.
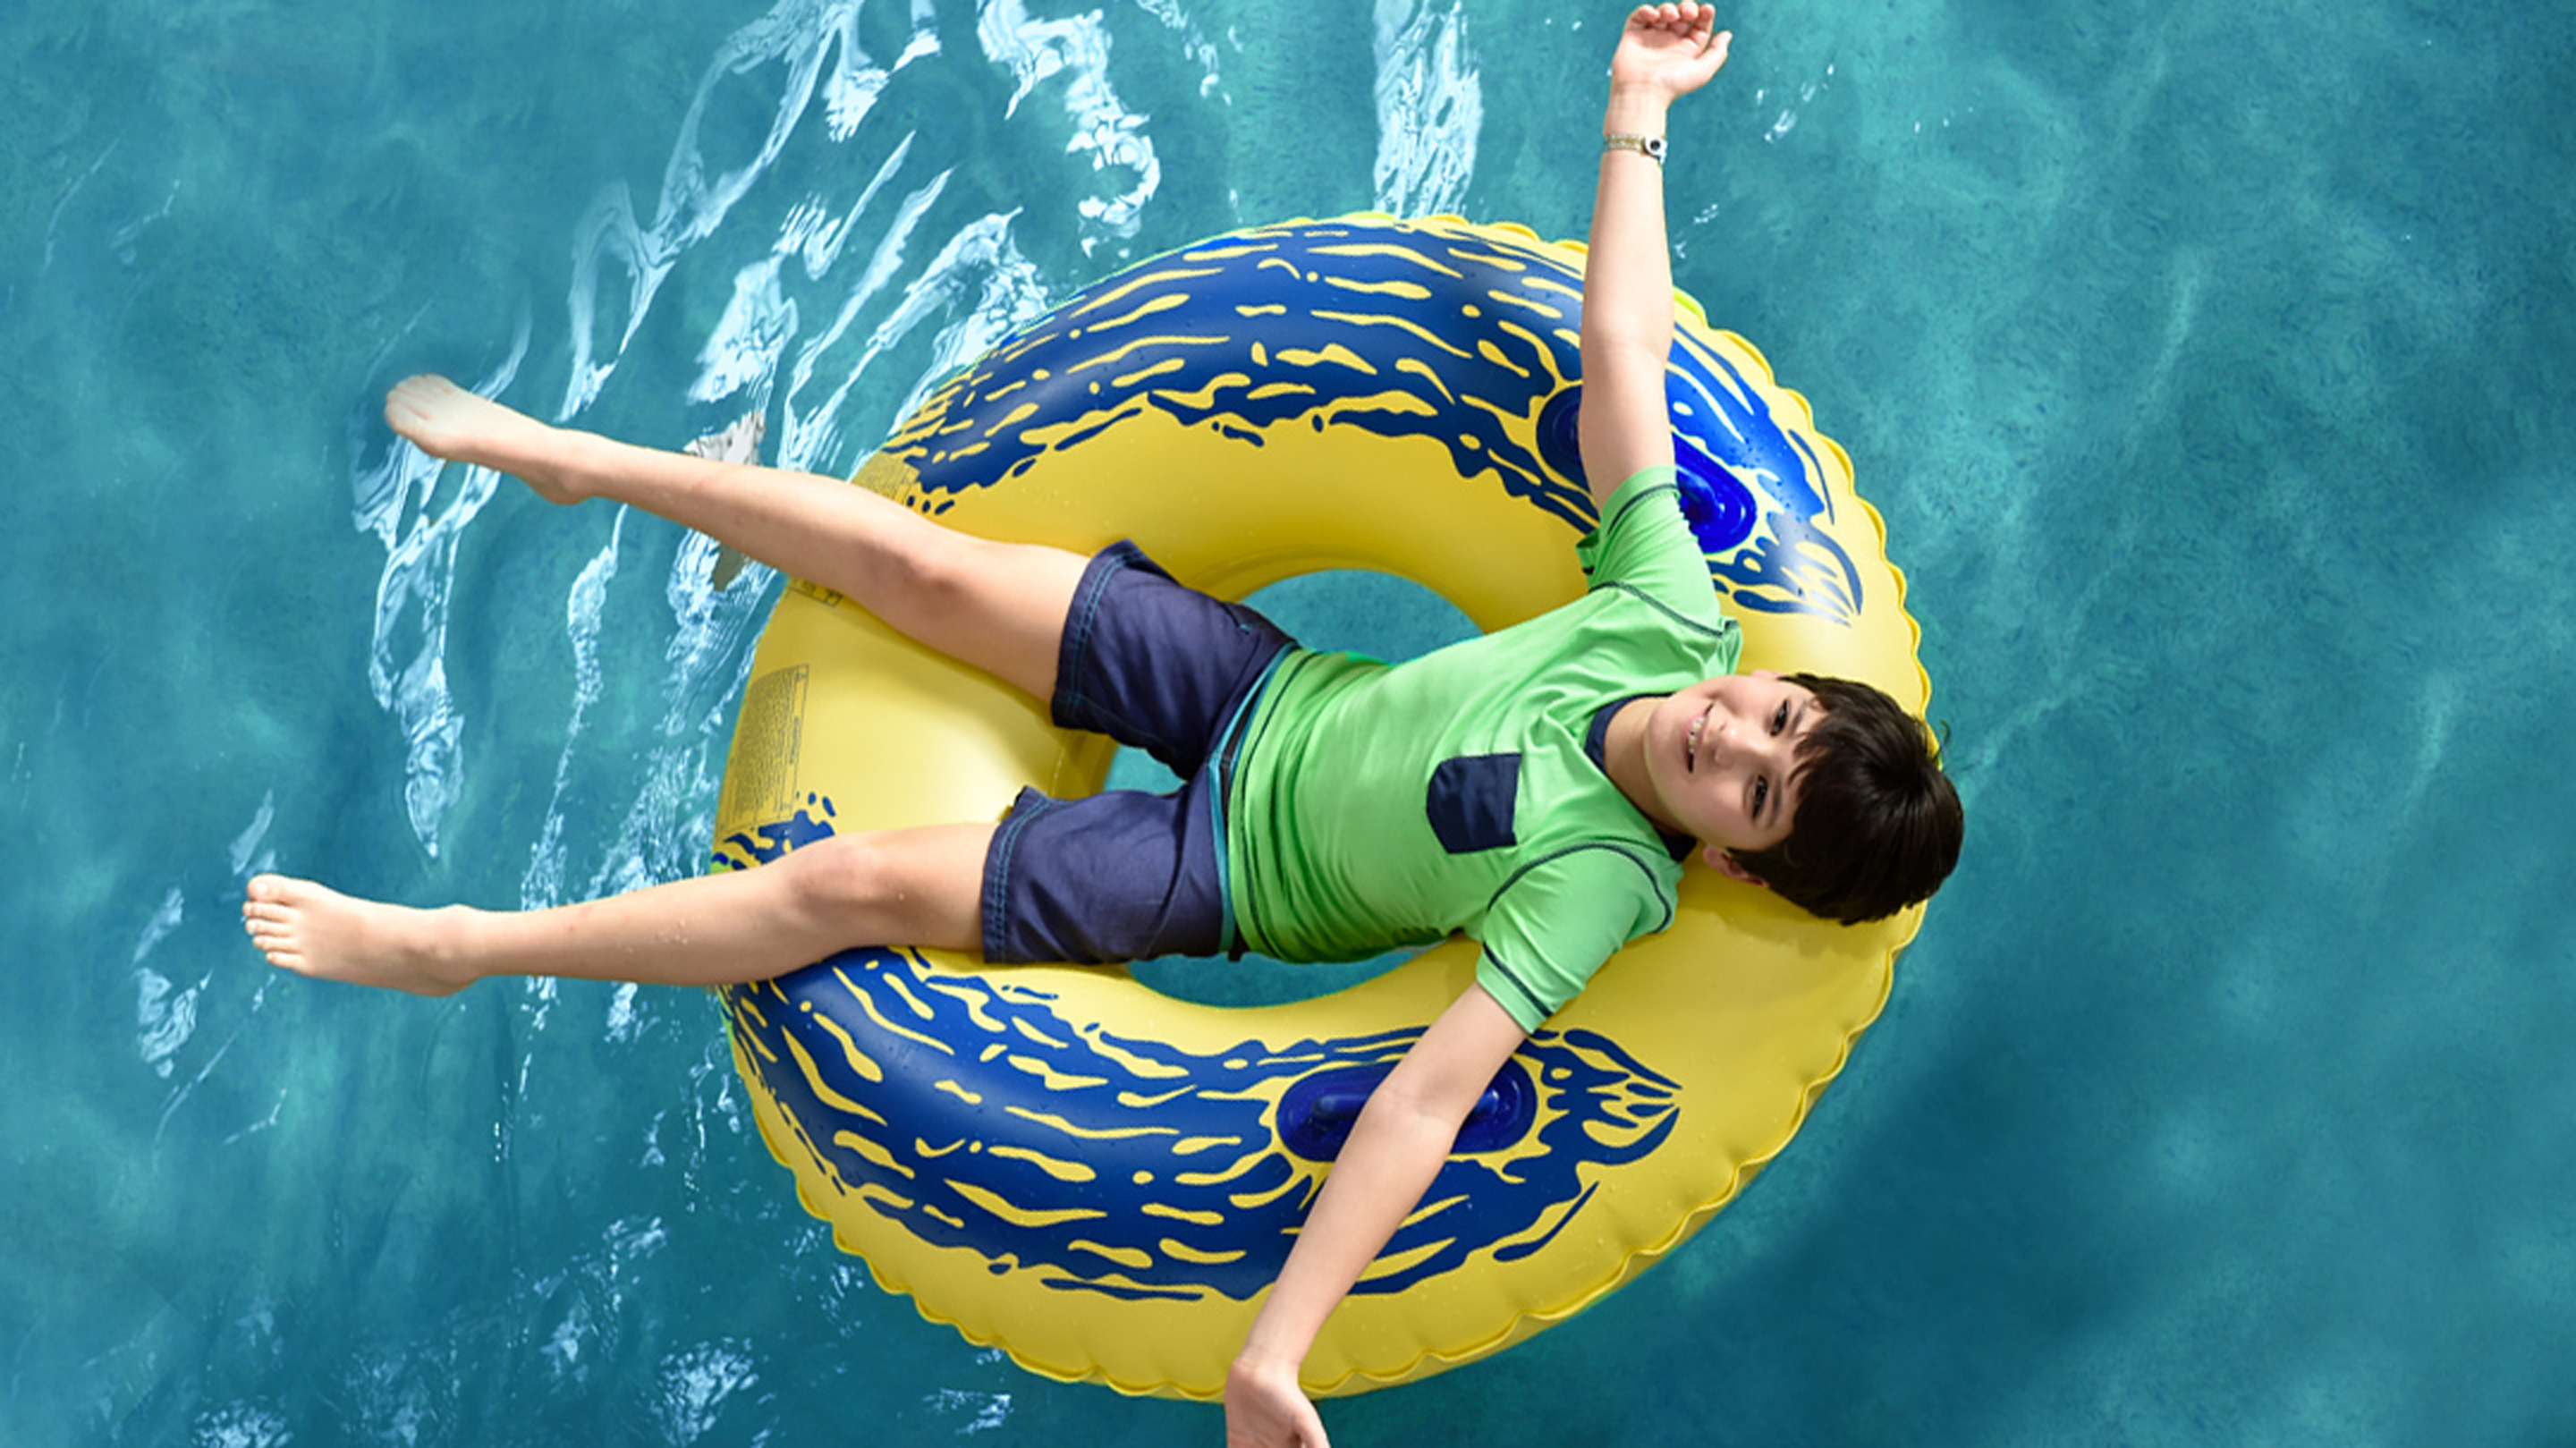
pixel 1101 1180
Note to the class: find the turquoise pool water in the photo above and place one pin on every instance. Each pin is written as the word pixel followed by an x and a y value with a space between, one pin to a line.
pixel 2211 363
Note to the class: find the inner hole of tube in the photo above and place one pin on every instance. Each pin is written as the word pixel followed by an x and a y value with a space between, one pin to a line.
pixel 1377 614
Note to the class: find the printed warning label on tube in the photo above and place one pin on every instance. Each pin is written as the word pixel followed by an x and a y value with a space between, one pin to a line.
pixel 760 774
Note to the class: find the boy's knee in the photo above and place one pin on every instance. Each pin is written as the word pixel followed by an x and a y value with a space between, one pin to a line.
pixel 905 887
pixel 840 875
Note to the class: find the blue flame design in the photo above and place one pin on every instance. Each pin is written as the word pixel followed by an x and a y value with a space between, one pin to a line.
pixel 1402 330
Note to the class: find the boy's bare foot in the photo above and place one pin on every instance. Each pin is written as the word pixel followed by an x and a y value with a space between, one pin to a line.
pixel 315 931
pixel 446 421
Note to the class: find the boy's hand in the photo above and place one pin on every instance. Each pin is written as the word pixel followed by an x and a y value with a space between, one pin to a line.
pixel 1264 1408
pixel 1669 50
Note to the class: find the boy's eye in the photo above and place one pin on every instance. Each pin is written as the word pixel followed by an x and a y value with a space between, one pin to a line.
pixel 1780 717
pixel 1761 792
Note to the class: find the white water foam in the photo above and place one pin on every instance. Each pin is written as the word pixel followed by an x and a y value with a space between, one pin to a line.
pixel 1430 107
pixel 815 348
pixel 1103 128
pixel 407 661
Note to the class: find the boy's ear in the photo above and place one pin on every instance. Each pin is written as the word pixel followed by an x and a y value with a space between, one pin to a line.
pixel 1725 864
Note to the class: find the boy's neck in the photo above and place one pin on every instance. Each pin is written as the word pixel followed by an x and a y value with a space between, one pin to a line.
pixel 1623 757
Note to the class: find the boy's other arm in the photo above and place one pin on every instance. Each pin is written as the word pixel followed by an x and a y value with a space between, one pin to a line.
pixel 1403 1136
pixel 1665 52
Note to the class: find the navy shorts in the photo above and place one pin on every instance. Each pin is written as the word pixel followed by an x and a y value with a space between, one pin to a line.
pixel 1128 875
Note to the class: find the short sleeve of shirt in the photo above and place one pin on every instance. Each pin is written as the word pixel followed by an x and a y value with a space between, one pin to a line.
pixel 1645 545
pixel 1554 924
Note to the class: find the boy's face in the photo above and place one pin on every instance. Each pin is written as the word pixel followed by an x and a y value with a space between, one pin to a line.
pixel 1722 754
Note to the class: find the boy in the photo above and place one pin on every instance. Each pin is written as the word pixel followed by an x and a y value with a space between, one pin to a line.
pixel 1627 733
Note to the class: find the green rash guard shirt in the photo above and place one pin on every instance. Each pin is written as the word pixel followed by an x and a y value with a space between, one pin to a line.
pixel 1376 805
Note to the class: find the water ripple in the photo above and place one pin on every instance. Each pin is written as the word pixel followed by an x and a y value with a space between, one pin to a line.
pixel 981 268
pixel 694 1385
pixel 407 661
pixel 1430 108
pixel 698 195
pixel 245 856
pixel 543 884
pixel 164 1016
pixel 1077 47
pixel 982 1411
pixel 242 1425
pixel 1194 42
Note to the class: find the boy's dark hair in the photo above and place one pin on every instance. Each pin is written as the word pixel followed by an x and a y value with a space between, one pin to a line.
pixel 1878 824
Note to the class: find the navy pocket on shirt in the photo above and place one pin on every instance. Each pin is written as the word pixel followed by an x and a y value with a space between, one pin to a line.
pixel 1470 802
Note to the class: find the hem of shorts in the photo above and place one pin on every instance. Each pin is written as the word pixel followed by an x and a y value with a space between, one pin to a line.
pixel 1075 644
pixel 1026 811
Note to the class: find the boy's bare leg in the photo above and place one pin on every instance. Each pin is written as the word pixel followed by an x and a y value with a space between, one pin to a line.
pixel 909 887
pixel 998 606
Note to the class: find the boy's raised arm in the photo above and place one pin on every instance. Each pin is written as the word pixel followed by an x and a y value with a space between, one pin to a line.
pixel 1665 52
pixel 1411 1122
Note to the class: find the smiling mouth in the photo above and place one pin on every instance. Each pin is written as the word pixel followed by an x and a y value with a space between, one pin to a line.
pixel 1690 741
